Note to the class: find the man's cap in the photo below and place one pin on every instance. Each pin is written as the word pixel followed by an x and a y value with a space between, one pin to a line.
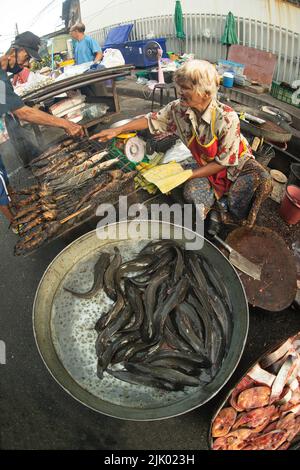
pixel 30 42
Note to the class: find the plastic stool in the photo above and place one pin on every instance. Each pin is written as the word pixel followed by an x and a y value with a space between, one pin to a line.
pixel 163 87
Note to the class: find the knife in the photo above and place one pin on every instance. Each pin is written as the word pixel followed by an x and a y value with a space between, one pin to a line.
pixel 240 262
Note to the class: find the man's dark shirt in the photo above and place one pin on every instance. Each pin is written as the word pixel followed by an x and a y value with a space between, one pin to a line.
pixel 9 101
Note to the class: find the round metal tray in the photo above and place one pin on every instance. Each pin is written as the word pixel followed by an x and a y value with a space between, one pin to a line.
pixel 64 329
pixel 277 287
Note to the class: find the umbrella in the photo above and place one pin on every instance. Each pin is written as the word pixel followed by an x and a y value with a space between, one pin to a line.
pixel 229 37
pixel 180 34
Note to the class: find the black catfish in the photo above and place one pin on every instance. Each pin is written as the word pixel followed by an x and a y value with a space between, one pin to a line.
pixel 162 373
pixel 146 380
pixel 187 332
pixel 136 265
pixel 193 358
pixel 111 350
pixel 175 298
pixel 134 298
pixel 99 270
pixel 174 340
pixel 110 275
pixel 111 329
pixel 150 301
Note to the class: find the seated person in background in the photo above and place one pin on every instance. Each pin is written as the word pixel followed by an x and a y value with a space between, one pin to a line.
pixel 86 48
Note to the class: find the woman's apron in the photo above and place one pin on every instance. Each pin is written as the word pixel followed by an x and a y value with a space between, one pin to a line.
pixel 204 154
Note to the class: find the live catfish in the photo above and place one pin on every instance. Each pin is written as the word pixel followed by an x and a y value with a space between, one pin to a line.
pixel 165 330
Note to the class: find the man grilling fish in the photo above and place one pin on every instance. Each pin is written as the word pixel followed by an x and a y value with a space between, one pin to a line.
pixel 25 47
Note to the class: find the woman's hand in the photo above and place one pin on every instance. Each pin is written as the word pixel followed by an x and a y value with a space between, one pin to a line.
pixel 106 135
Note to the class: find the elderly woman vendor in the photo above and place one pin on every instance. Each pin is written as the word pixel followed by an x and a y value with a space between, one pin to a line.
pixel 223 162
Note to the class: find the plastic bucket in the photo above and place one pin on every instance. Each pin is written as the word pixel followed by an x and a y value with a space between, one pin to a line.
pixel 290 206
pixel 228 79
pixel 294 178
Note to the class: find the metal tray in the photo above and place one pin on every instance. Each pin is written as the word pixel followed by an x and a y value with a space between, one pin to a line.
pixel 278 285
pixel 64 329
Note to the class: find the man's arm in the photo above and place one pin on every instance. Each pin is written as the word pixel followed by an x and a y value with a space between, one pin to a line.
pixel 35 116
pixel 96 50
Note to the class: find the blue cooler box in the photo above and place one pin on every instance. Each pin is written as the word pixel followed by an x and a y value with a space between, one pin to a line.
pixel 133 51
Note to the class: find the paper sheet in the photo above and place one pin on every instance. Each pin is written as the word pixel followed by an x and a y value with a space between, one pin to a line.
pixel 167 177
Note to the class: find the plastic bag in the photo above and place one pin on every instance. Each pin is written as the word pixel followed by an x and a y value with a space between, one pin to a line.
pixel 142 81
pixel 178 153
pixel 112 58
pixel 95 111
pixel 73 70
pixel 35 82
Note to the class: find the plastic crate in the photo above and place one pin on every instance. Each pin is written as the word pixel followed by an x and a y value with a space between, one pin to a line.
pixel 282 94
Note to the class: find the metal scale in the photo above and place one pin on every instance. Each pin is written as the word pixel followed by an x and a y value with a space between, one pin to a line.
pixel 132 146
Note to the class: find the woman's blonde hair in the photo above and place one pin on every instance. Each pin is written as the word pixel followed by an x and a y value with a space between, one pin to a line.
pixel 200 76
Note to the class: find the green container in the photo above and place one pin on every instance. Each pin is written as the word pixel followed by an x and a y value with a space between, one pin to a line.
pixel 124 164
pixel 282 94
pixel 142 74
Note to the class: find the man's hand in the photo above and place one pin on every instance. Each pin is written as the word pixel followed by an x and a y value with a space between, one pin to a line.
pixel 106 135
pixel 73 130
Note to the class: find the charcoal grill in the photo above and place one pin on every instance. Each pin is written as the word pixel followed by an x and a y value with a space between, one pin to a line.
pixel 91 147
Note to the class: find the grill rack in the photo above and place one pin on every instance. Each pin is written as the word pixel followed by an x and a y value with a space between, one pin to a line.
pixel 91 147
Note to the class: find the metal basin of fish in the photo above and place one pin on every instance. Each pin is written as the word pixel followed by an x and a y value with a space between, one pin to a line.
pixel 65 336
